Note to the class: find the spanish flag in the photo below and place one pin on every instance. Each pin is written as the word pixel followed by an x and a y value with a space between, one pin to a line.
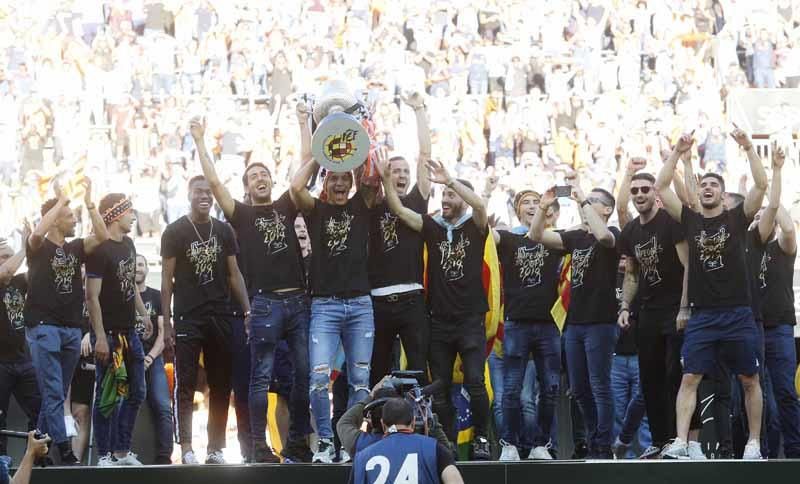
pixel 559 310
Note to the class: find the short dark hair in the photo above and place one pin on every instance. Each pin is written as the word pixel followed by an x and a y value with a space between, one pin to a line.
pixel 109 201
pixel 253 165
pixel 609 199
pixel 397 411
pixel 48 205
pixel 396 158
pixel 715 176
pixel 644 176
pixel 195 179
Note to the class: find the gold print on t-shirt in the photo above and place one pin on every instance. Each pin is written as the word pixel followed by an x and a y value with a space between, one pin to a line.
pixel 762 274
pixel 337 232
pixel 15 304
pixel 203 256
pixel 125 275
pixel 453 256
pixel 274 232
pixel 529 261
pixel 388 226
pixel 64 266
pixel 647 255
pixel 711 248
pixel 580 262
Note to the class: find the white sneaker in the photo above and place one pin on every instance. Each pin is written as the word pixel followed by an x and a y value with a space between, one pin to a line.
pixel 106 461
pixel 189 458
pixel 752 451
pixel 324 453
pixel 695 451
pixel 344 457
pixel 509 452
pixel 129 460
pixel 215 458
pixel 71 426
pixel 677 449
pixel 540 453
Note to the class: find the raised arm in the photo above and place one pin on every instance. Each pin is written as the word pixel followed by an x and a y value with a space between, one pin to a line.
pixel 689 182
pixel 409 217
pixel 597 226
pixel 99 229
pixel 197 127
pixel 537 232
pixel 630 284
pixel 754 198
pixel 417 103
pixel 49 219
pixel 767 221
pixel 671 202
pixel 623 197
pixel 12 265
pixel 787 238
pixel 303 115
pixel 298 189
pixel 439 174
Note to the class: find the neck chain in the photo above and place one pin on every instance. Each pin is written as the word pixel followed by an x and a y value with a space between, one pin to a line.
pixel 210 229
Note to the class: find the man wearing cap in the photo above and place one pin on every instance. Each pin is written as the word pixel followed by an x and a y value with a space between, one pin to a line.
pixel 530 282
pixel 113 302
pixel 395 263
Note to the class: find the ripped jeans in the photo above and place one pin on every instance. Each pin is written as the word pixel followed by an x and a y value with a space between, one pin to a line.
pixel 337 322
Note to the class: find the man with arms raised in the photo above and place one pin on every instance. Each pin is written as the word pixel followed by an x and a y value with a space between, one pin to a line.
pixel 721 323
pixel 54 306
pixel 395 263
pixel 456 241
pixel 275 281
pixel 199 267
pixel 591 335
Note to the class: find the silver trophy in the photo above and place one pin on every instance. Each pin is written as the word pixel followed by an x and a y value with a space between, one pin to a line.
pixel 340 143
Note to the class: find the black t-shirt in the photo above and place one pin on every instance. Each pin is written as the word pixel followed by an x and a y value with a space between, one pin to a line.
pixel 717 262
pixel 530 277
pixel 270 254
pixel 660 268
pixel 395 250
pixel 12 320
pixel 339 237
pixel 201 263
pixel 755 250
pixel 115 263
pixel 455 268
pixel 593 278
pixel 776 280
pixel 55 294
pixel 152 303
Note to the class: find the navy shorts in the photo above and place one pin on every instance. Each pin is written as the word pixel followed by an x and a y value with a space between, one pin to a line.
pixel 726 334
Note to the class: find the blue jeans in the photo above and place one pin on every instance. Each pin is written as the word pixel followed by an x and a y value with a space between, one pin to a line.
pixel 527 399
pixel 55 351
pixel 275 318
pixel 337 321
pixel 114 433
pixel 160 404
pixel 629 406
pixel 522 339
pixel 781 363
pixel 590 350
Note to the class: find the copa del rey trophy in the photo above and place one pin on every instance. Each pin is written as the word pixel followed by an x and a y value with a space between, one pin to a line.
pixel 340 142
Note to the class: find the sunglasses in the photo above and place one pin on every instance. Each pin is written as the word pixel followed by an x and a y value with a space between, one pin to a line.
pixel 645 190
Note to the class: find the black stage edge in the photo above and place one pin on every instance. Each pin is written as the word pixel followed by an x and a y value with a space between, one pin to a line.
pixel 556 472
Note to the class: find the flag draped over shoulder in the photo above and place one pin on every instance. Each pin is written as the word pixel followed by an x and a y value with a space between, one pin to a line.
pixel 559 310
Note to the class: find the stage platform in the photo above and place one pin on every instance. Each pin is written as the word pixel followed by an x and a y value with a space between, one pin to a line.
pixel 527 472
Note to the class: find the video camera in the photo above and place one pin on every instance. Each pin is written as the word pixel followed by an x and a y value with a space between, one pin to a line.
pixel 406 384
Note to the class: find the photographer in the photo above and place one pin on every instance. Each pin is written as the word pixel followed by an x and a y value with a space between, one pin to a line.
pixel 349 426
pixel 404 455
pixel 37 448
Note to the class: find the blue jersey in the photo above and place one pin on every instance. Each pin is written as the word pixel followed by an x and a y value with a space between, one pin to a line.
pixel 364 440
pixel 398 458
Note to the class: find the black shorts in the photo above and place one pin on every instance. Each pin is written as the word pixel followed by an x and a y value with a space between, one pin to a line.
pixel 83 384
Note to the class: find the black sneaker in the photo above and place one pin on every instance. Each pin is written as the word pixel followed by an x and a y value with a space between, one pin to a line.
pixel 262 454
pixel 581 450
pixel 297 451
pixel 481 449
pixel 603 453
pixel 68 459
